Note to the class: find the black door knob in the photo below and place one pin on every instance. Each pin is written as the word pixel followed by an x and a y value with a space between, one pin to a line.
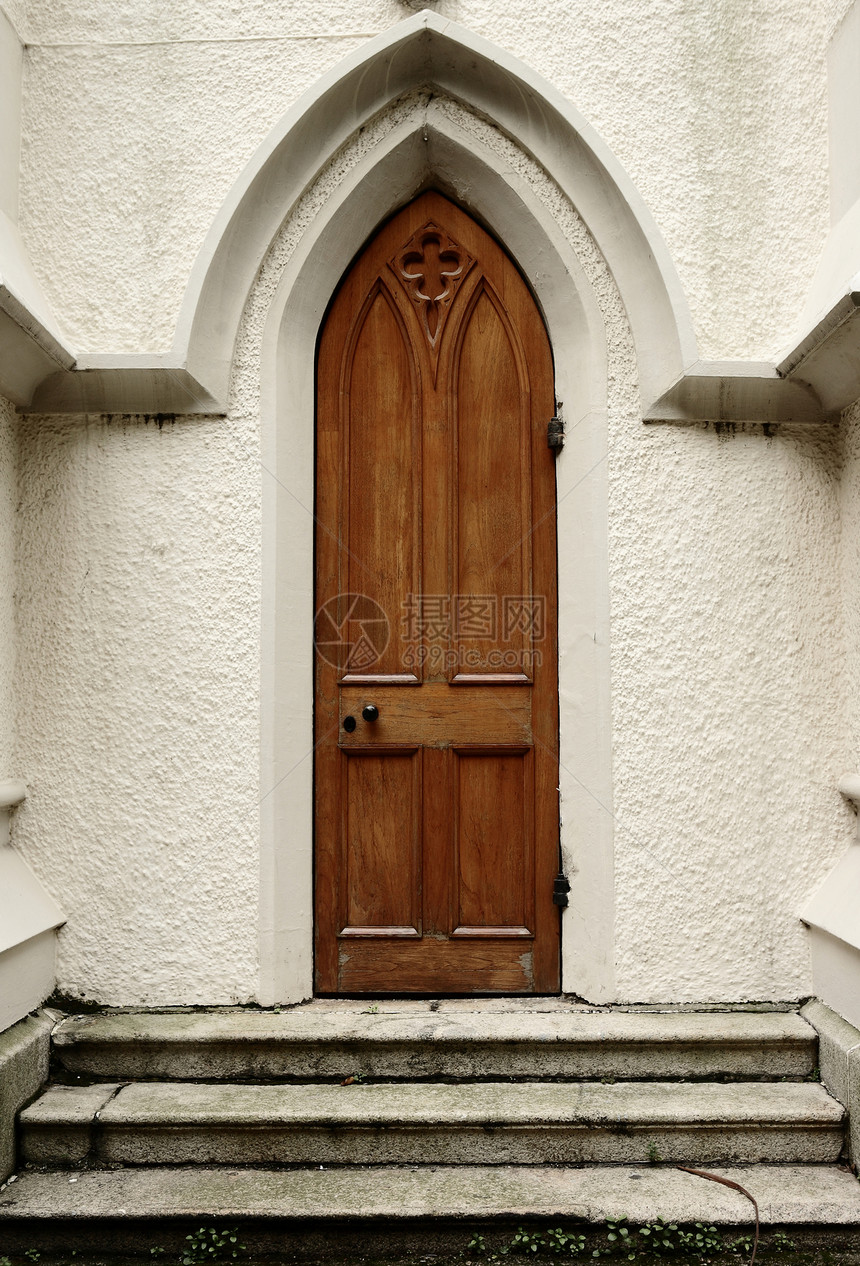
pixel 370 712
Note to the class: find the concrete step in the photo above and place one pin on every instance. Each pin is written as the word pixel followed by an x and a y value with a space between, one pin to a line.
pixel 395 1211
pixel 534 1123
pixel 410 1040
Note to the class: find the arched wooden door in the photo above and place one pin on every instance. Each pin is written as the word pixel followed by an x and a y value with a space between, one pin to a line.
pixel 437 819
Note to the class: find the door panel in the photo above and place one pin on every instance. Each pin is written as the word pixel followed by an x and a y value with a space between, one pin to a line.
pixel 493 489
pixel 437 822
pixel 493 804
pixel 383 860
pixel 384 521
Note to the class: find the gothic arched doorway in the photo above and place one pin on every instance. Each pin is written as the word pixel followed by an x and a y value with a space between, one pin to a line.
pixel 436 713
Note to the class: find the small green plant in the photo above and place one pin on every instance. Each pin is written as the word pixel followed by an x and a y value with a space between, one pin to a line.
pixel 373 1009
pixel 554 1241
pixel 701 1241
pixel 32 1254
pixel 783 1242
pixel 654 1157
pixel 619 1235
pixel 654 1241
pixel 527 1241
pixel 667 1239
pixel 562 1242
pixel 156 1252
pixel 211 1245
pixel 661 1238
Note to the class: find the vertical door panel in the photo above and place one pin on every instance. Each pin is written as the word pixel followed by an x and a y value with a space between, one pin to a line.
pixel 381 543
pixel 493 494
pixel 493 836
pixel 381 844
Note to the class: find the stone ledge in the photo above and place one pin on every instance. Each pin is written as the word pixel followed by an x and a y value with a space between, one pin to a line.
pixel 411 1041
pixel 24 1056
pixel 789 1194
pixel 134 386
pixel 522 1123
pixel 839 1059
pixel 737 392
pixel 61 1123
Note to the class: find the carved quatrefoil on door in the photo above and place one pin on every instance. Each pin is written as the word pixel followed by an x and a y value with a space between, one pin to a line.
pixel 430 267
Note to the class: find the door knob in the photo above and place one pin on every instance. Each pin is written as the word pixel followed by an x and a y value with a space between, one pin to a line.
pixel 370 712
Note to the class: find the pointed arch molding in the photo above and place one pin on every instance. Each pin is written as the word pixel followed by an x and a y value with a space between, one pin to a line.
pixel 414 142
pixel 428 52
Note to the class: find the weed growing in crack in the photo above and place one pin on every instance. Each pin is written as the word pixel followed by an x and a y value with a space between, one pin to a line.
pixel 651 1242
pixel 211 1245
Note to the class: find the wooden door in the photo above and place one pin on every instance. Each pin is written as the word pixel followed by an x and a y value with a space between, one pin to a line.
pixel 437 821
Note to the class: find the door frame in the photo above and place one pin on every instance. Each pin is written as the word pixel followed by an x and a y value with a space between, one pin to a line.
pixel 431 147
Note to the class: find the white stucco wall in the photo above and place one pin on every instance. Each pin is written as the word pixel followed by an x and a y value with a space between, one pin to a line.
pixel 139 544
pixel 717 112
pixel 728 704
pixel 139 626
pixel 8 499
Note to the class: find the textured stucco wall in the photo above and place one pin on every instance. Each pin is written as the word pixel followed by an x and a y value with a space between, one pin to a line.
pixel 717 111
pixel 138 620
pixel 8 498
pixel 728 657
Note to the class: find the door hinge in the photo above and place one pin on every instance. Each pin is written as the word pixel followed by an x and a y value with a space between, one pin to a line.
pixel 560 889
pixel 555 433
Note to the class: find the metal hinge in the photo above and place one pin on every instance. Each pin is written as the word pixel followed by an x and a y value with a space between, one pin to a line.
pixel 555 433
pixel 560 889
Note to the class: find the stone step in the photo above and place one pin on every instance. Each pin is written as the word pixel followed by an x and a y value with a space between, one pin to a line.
pixel 534 1123
pixel 395 1211
pixel 410 1040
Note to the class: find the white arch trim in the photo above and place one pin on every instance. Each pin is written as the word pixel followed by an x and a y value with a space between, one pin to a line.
pixel 427 51
pixel 430 143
